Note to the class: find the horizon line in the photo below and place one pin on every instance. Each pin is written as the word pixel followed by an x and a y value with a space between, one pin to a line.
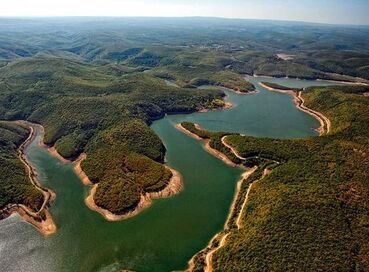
pixel 177 17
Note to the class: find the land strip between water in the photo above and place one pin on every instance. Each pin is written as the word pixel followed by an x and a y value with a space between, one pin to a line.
pixel 219 239
pixel 203 259
pixel 41 219
pixel 174 186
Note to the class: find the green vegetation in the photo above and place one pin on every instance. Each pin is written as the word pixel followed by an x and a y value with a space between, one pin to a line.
pixel 280 87
pixel 96 86
pixel 15 187
pixel 310 213
pixel 122 160
pixel 114 114
pixel 204 134
pixel 200 75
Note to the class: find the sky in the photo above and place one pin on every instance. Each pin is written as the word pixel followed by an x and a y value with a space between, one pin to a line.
pixel 322 11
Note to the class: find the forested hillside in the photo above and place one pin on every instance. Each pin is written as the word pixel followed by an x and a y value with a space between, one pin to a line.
pixel 310 212
pixel 85 109
pixel 15 187
pixel 95 84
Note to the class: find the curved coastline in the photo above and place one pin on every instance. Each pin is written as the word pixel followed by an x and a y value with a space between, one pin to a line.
pixel 220 237
pixel 47 226
pixel 79 171
pixel 207 146
pixel 173 187
pixel 325 124
pixel 219 240
pixel 41 219
pixel 52 150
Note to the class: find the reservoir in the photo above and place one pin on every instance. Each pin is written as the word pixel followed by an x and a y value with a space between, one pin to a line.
pixel 166 235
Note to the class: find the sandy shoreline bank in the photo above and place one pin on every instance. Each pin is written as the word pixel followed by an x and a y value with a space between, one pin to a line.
pixel 77 163
pixel 290 92
pixel 223 236
pixel 79 171
pixel 51 149
pixel 189 133
pixel 237 90
pixel 174 186
pixel 209 251
pixel 207 146
pixel 219 155
pixel 42 218
pixel 325 124
pixel 358 83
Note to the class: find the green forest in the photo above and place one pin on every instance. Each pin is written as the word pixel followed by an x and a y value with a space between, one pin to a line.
pixel 15 187
pixel 84 109
pixel 310 212
pixel 97 86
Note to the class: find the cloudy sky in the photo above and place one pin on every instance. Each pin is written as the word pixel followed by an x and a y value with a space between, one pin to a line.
pixel 326 11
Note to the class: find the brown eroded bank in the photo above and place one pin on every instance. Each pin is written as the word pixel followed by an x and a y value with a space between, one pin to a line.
pixel 325 123
pixel 42 218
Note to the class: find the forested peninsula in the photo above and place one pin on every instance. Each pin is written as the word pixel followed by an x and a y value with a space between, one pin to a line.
pixel 96 87
pixel 305 206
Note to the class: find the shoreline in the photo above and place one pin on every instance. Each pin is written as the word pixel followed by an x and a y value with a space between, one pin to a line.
pixel 51 149
pixel 298 100
pixel 189 133
pixel 219 155
pixel 227 105
pixel 208 252
pixel 290 92
pixel 223 236
pixel 324 121
pixel 237 91
pixel 77 162
pixel 358 82
pixel 77 167
pixel 79 171
pixel 46 226
pixel 174 186
pixel 207 146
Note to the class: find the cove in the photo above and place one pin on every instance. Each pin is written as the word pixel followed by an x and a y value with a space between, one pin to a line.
pixel 165 236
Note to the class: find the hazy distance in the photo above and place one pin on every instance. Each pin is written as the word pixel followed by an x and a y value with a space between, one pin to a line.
pixel 327 11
